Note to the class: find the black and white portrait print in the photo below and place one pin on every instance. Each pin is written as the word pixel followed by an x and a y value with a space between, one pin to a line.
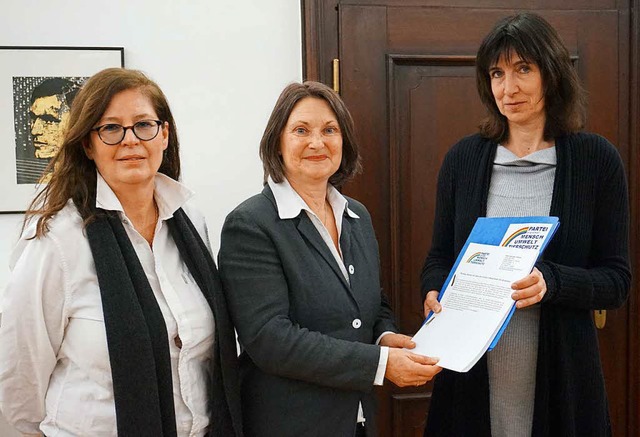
pixel 41 113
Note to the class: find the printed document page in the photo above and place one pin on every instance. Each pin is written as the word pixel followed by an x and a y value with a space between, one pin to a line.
pixel 475 304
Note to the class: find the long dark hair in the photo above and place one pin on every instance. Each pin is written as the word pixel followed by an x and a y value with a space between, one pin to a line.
pixel 73 173
pixel 533 39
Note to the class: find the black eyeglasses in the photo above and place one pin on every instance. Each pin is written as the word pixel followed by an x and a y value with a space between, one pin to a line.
pixel 112 133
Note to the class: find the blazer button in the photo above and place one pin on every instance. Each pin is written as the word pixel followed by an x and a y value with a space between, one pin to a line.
pixel 351 269
pixel 356 323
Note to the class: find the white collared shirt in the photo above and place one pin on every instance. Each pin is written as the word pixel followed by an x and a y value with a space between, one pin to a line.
pixel 55 375
pixel 289 205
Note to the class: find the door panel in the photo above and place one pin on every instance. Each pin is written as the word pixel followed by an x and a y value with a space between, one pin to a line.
pixel 419 86
pixel 407 76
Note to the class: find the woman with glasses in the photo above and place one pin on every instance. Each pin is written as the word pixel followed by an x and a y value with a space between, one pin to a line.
pixel 113 320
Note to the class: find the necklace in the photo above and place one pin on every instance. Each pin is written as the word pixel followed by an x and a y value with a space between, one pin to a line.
pixel 324 221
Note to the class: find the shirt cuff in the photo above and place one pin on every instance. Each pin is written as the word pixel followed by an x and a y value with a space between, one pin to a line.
pixel 382 365
pixel 382 335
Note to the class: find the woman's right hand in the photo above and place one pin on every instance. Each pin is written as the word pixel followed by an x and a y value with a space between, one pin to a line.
pixel 407 369
pixel 431 303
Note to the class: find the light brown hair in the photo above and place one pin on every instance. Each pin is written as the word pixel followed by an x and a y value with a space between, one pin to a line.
pixel 73 173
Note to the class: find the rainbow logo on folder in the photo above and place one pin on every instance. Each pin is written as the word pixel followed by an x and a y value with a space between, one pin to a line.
pixel 478 258
pixel 515 235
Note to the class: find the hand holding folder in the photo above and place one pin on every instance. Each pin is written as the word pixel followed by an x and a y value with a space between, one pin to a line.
pixel 476 296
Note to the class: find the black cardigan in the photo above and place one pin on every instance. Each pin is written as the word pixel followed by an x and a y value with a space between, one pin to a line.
pixel 586 267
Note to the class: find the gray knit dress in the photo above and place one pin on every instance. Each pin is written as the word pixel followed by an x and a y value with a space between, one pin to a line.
pixel 519 187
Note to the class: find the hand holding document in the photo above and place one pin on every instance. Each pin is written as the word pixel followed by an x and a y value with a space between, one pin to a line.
pixel 476 297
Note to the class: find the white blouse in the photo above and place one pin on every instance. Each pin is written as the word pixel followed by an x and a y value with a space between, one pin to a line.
pixel 55 375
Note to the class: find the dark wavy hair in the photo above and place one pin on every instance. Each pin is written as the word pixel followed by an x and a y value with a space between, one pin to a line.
pixel 73 173
pixel 533 39
pixel 270 142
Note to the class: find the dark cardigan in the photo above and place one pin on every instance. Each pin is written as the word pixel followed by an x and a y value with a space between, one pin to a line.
pixel 586 267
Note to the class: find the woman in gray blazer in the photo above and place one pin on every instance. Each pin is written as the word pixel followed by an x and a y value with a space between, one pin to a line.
pixel 300 268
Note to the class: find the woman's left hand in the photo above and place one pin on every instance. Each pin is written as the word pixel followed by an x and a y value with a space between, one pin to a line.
pixel 529 290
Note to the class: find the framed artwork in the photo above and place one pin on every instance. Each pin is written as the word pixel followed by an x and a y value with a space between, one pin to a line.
pixel 37 87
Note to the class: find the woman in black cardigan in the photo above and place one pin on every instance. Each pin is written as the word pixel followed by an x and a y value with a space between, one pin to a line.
pixel 544 377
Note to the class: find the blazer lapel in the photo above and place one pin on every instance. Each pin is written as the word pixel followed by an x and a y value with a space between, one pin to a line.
pixel 351 241
pixel 346 243
pixel 310 233
pixel 345 239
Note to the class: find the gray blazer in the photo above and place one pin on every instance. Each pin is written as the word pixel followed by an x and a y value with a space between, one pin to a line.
pixel 307 335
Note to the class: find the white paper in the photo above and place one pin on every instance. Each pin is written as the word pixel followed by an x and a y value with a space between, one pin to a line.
pixel 475 304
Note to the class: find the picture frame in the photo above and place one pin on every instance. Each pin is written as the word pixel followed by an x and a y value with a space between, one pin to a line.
pixel 37 87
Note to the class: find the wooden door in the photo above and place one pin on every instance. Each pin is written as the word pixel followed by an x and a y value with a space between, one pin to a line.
pixel 407 75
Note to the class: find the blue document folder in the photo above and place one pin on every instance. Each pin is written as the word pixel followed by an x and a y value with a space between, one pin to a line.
pixel 492 231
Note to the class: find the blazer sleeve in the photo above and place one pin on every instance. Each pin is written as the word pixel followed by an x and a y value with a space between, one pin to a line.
pixel 257 293
pixel 386 320
pixel 605 283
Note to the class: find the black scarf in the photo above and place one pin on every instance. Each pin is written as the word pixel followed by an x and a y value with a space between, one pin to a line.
pixel 137 335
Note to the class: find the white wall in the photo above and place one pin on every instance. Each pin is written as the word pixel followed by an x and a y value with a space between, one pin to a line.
pixel 221 63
